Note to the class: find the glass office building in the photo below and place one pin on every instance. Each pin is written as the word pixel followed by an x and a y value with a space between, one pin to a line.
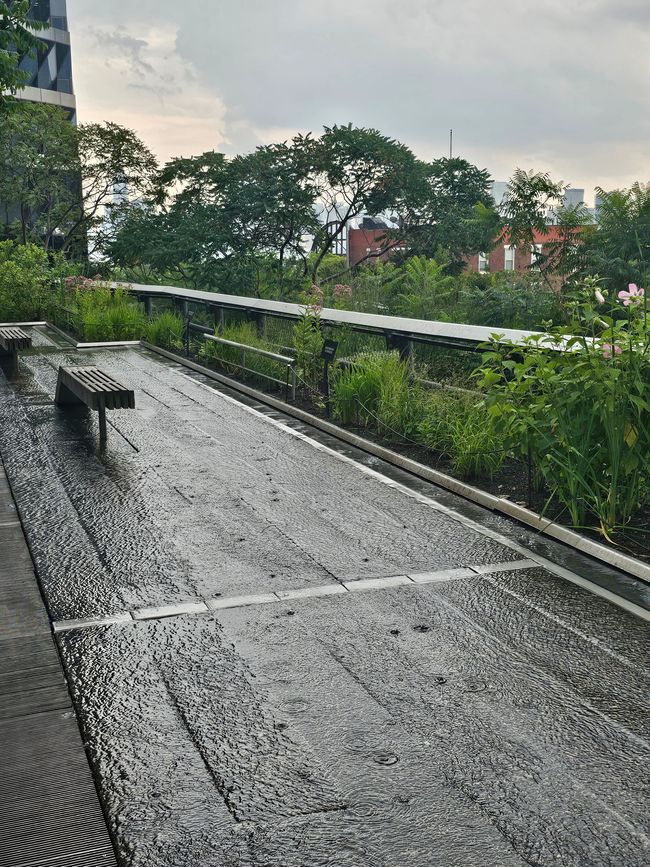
pixel 50 71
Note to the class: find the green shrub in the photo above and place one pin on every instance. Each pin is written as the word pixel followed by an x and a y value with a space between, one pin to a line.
pixel 508 299
pixel 583 413
pixel 308 342
pixel 25 282
pixel 101 314
pixel 458 426
pixel 356 389
pixel 165 330
pixel 379 391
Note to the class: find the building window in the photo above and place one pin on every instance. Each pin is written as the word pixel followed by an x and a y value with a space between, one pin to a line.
pixel 535 256
pixel 509 258
pixel 482 263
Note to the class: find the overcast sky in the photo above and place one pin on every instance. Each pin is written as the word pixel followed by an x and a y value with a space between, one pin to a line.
pixel 556 85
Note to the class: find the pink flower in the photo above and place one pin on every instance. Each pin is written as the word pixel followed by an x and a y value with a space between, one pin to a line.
pixel 633 296
pixel 342 291
pixel 600 298
pixel 607 350
pixel 79 283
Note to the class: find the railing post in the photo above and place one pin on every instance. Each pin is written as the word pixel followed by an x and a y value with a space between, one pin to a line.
pixel 103 434
pixel 293 382
pixel 403 344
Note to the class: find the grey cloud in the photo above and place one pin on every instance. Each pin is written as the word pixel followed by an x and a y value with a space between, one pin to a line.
pixel 565 81
pixel 521 72
pixel 125 46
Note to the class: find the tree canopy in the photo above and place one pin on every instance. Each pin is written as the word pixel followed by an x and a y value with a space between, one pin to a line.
pixel 58 182
pixel 17 39
pixel 212 214
pixel 450 210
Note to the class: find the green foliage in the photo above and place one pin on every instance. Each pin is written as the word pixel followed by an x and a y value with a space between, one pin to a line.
pixel 374 287
pixel 617 248
pixel 17 38
pixel 58 180
pixel 425 287
pixel 448 207
pixel 583 413
pixel 25 282
pixel 355 170
pixel 110 156
pixel 102 314
pixel 456 426
pixel 422 289
pixel 507 299
pixel 233 358
pixel 216 219
pixel 379 391
pixel 528 198
pixel 308 342
pixel 38 173
pixel 165 330
pixel 361 388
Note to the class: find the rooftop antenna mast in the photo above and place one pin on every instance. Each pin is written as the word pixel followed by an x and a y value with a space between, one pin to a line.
pixel 451 143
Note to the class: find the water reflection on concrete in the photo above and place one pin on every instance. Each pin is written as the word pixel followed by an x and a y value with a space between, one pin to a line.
pixel 494 720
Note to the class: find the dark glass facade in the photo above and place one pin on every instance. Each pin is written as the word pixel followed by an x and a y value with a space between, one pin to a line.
pixel 51 69
pixel 49 74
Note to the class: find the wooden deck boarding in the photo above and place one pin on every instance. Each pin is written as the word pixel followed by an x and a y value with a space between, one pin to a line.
pixel 50 815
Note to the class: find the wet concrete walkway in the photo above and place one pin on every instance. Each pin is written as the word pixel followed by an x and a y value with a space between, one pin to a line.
pixel 287 659
pixel 49 810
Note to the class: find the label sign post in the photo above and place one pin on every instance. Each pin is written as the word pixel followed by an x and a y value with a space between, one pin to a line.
pixel 328 354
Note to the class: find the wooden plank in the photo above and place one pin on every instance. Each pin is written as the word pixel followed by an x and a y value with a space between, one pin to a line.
pixel 49 809
pixel 92 386
pixel 14 339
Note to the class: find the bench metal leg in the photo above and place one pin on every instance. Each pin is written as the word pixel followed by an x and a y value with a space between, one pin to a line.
pixel 10 363
pixel 64 397
pixel 103 433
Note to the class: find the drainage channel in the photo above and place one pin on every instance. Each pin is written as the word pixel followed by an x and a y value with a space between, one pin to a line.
pixel 557 557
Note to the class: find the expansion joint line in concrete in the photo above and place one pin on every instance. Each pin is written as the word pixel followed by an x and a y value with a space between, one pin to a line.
pixel 361 585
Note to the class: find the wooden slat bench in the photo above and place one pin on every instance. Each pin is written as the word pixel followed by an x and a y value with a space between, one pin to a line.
pixel 94 388
pixel 12 341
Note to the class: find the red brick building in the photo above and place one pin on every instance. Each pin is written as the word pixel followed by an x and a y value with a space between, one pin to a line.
pixel 366 242
pixel 505 257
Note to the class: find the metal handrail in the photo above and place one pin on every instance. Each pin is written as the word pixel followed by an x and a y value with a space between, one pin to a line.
pixel 265 352
pixel 289 363
pixel 453 335
pixel 450 334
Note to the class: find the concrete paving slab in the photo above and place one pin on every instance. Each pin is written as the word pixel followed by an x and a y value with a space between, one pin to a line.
pixel 68 625
pixel 312 592
pixel 509 566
